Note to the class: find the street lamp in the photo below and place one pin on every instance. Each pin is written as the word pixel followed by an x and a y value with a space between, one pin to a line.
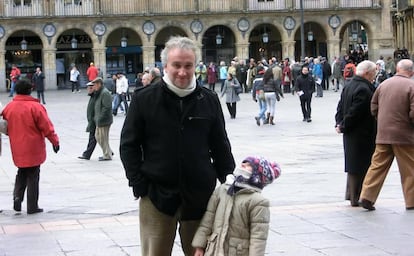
pixel 302 33
pixel 310 36
pixel 124 40
pixel 23 44
pixel 265 37
pixel 74 42
pixel 219 39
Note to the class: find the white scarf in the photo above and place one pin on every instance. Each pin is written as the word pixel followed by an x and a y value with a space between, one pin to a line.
pixel 233 181
pixel 180 92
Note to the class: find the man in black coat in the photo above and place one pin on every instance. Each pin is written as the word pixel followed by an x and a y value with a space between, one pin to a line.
pixel 38 81
pixel 354 120
pixel 327 72
pixel 174 147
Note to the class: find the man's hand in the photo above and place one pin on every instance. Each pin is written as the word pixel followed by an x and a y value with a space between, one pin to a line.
pixel 338 128
pixel 56 148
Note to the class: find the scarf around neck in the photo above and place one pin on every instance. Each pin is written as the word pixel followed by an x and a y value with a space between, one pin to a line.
pixel 238 182
pixel 180 92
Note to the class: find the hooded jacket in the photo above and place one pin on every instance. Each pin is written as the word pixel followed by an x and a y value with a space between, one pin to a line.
pixel 174 148
pixel 234 225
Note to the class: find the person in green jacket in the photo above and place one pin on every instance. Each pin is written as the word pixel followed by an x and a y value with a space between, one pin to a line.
pixel 90 111
pixel 102 117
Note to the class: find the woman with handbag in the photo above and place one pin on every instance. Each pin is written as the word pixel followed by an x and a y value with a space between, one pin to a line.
pixel 232 89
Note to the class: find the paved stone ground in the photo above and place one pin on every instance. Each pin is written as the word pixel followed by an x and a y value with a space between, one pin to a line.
pixel 89 209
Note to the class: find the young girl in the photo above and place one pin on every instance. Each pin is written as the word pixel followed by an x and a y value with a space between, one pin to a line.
pixel 237 218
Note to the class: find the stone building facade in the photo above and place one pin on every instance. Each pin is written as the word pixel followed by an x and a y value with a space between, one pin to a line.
pixel 127 36
pixel 403 23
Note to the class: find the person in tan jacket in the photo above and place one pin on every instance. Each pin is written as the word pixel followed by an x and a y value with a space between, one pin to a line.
pixel 393 106
pixel 237 218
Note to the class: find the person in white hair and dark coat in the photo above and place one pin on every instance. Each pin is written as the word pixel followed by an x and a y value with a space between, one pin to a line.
pixel 237 218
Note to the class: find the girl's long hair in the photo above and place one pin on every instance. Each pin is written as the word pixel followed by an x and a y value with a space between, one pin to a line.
pixel 267 75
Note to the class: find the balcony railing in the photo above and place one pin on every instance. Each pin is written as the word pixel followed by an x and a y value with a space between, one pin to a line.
pixel 359 4
pixel 11 9
pixel 255 5
pixel 72 9
pixel 30 8
pixel 312 4
pixel 128 7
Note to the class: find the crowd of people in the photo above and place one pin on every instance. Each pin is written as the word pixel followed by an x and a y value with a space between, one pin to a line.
pixel 172 159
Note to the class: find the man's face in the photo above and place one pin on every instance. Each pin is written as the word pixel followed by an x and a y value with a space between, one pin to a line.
pixel 90 89
pixel 180 67
pixel 146 80
pixel 370 76
pixel 96 86
pixel 305 70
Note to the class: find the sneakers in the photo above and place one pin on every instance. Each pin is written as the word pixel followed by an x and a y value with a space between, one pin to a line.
pixel 83 157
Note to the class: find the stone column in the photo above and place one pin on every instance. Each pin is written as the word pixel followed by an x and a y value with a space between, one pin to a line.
pixel 288 50
pixel 385 45
pixel 411 34
pixel 380 46
pixel 242 51
pixel 148 56
pixel 99 56
pixel 333 48
pixel 199 52
pixel 49 68
pixel 3 68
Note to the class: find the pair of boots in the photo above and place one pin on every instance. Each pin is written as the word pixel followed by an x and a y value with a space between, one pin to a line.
pixel 269 119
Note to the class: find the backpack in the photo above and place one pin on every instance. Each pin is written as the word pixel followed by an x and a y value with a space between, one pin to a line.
pixel 349 71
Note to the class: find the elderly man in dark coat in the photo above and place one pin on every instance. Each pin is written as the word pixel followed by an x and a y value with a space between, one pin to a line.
pixel 354 120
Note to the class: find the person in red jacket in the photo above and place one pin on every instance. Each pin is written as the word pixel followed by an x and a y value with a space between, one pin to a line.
pixel 14 76
pixel 28 126
pixel 92 72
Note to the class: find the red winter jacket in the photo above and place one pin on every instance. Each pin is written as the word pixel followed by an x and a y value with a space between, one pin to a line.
pixel 14 74
pixel 28 126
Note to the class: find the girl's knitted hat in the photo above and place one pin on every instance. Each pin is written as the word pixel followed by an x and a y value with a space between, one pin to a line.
pixel 263 173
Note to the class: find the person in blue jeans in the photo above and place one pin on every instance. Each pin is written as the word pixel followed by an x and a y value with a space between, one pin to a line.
pixel 14 77
pixel 222 74
pixel 258 94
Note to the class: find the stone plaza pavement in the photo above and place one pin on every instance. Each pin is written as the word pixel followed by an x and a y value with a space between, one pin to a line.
pixel 89 209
